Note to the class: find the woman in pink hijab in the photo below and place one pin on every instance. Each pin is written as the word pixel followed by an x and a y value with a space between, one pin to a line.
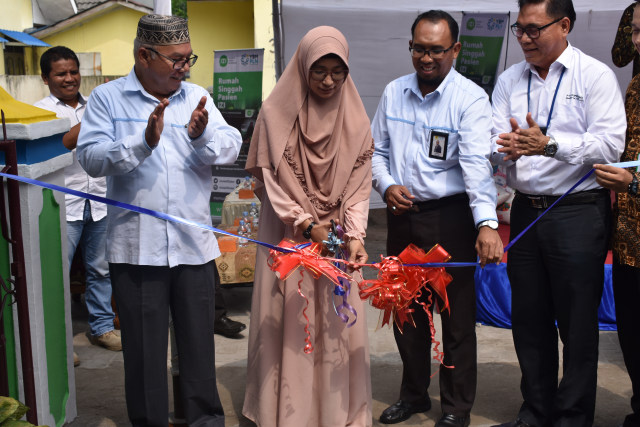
pixel 312 150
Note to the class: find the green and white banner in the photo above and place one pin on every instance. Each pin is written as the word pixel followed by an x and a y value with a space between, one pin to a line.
pixel 481 36
pixel 237 92
pixel 237 80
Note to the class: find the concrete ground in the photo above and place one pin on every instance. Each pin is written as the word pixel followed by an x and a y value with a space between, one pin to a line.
pixel 100 378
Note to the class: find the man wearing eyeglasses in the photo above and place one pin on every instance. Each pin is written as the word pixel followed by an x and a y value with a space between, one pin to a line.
pixel 432 134
pixel 555 115
pixel 155 138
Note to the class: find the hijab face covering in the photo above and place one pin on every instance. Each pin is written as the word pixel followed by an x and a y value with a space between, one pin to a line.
pixel 317 148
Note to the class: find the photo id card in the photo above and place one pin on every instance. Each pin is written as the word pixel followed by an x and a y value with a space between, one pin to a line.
pixel 438 145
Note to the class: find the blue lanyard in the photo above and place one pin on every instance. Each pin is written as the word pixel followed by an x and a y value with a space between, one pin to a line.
pixel 553 102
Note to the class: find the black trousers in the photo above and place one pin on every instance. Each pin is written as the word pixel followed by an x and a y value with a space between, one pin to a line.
pixel 556 272
pixel 626 292
pixel 448 222
pixel 145 296
pixel 220 305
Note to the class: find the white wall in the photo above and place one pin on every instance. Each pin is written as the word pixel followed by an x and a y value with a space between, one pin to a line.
pixel 378 32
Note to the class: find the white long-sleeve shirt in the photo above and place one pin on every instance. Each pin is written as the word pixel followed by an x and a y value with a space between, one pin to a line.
pixel 403 130
pixel 74 176
pixel 588 121
pixel 174 177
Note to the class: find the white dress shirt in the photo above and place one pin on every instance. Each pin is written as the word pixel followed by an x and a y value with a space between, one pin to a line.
pixel 402 130
pixel 174 177
pixel 75 177
pixel 588 121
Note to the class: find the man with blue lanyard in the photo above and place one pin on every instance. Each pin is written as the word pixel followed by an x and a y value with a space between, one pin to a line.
pixel 555 115
pixel 155 138
pixel 445 196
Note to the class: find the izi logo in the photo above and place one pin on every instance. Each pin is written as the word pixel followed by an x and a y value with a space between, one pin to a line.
pixel 471 24
pixel 224 61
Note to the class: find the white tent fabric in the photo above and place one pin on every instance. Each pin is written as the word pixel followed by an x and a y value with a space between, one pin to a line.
pixel 378 32
pixel 466 5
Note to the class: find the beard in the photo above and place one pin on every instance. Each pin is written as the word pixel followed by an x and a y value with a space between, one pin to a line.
pixel 434 82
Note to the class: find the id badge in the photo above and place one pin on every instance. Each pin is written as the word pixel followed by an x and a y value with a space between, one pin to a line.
pixel 438 144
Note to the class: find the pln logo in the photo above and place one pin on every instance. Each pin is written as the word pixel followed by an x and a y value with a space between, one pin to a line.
pixel 249 59
pixel 495 24
pixel 223 61
pixel 471 24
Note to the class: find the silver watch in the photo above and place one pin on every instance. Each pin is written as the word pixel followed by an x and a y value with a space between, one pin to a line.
pixel 551 148
pixel 491 223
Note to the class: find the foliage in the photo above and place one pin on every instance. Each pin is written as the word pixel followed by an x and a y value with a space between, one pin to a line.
pixel 179 8
pixel 11 411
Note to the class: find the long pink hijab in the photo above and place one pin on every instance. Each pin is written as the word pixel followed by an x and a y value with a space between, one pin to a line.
pixel 319 150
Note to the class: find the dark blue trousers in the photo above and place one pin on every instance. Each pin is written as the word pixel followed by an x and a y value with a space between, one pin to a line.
pixel 145 296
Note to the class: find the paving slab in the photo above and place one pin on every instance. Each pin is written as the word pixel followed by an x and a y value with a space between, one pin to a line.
pixel 100 376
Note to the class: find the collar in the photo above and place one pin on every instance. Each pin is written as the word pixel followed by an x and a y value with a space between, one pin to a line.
pixel 412 84
pixel 82 100
pixel 132 84
pixel 565 60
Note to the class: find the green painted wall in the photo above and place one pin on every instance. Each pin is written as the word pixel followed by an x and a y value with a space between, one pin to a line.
pixel 53 305
pixel 12 368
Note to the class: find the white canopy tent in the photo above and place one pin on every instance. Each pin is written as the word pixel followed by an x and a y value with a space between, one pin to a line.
pixel 378 32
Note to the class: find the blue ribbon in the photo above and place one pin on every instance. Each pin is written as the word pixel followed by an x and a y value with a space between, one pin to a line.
pixel 179 220
pixel 580 181
pixel 138 209
pixel 631 164
pixel 625 165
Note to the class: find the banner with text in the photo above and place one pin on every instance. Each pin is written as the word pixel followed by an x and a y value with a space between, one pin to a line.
pixel 237 92
pixel 481 36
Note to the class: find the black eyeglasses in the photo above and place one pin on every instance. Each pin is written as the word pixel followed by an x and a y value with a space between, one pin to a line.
pixel 336 76
pixel 419 52
pixel 177 63
pixel 533 32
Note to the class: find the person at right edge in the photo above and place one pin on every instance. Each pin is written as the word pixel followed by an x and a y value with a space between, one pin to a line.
pixel 555 115
pixel 626 237
pixel 623 50
pixel 444 196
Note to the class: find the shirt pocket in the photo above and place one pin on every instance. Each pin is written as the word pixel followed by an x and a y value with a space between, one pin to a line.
pixel 444 154
pixel 570 115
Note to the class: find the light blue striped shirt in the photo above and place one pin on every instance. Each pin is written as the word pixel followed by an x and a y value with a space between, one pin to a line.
pixel 174 177
pixel 405 154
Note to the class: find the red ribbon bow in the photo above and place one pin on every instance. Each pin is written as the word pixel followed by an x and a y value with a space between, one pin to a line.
pixel 399 284
pixel 285 263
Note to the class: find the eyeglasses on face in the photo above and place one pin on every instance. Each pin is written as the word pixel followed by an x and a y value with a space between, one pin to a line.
pixel 532 32
pixel 336 76
pixel 177 63
pixel 419 52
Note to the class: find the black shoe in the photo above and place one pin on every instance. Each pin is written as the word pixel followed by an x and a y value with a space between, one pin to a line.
pixel 227 327
pixel 450 420
pixel 402 410
pixel 517 423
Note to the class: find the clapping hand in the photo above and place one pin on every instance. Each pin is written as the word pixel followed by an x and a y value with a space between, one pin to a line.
pixel 155 124
pixel 199 119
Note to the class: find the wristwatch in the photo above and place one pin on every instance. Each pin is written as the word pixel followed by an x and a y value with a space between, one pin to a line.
pixel 307 233
pixel 633 186
pixel 551 148
pixel 491 223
